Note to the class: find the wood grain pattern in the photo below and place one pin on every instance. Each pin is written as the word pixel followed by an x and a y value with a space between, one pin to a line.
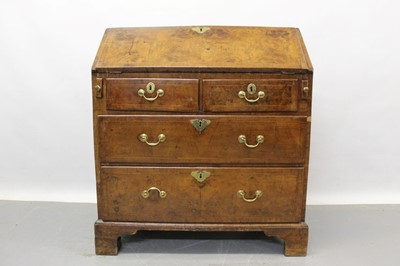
pixel 221 95
pixel 188 200
pixel 284 139
pixel 219 49
pixel 180 95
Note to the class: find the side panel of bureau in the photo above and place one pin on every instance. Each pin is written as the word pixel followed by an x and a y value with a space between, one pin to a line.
pixel 215 199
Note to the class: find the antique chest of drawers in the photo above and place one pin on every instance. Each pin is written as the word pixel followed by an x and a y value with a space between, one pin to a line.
pixel 202 129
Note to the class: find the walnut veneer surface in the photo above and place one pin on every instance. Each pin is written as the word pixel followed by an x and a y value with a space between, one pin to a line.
pixel 202 129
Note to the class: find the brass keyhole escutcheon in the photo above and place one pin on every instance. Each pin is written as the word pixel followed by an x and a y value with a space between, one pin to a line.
pixel 200 30
pixel 200 124
pixel 150 87
pixel 200 176
pixel 251 88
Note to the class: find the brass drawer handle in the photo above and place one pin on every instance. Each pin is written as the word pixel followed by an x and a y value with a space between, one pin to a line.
pixel 161 193
pixel 259 139
pixel 143 138
pixel 241 194
pixel 251 89
pixel 150 88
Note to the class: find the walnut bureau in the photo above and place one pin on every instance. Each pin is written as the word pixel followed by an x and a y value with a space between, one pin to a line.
pixel 202 129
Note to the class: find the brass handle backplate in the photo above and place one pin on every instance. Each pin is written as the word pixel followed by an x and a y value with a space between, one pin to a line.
pixel 251 89
pixel 241 194
pixel 143 138
pixel 161 193
pixel 150 88
pixel 259 139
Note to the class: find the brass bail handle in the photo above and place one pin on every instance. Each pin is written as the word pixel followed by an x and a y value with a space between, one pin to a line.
pixel 150 88
pixel 243 139
pixel 143 138
pixel 241 194
pixel 251 89
pixel 146 193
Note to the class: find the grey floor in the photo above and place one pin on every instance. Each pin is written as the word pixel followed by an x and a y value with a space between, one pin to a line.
pixel 40 233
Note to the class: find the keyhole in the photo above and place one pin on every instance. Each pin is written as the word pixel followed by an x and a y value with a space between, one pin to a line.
pixel 200 123
pixel 251 88
pixel 200 176
pixel 150 87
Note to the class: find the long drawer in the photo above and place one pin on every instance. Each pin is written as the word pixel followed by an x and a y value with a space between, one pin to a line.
pixel 227 139
pixel 164 194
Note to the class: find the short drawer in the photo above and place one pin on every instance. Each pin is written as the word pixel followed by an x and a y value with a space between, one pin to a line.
pixel 164 194
pixel 152 94
pixel 246 95
pixel 226 139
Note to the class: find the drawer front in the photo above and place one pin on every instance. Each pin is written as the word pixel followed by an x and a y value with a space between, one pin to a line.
pixel 260 95
pixel 152 94
pixel 174 195
pixel 173 139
